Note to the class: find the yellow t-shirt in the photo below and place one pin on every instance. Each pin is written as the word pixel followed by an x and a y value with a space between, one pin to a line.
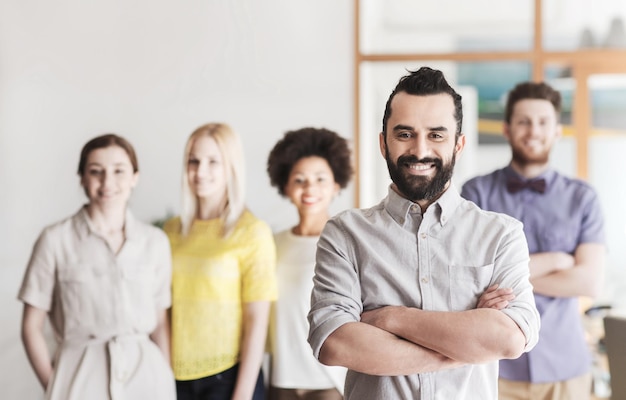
pixel 212 278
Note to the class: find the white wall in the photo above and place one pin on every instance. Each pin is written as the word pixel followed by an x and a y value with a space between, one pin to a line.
pixel 152 71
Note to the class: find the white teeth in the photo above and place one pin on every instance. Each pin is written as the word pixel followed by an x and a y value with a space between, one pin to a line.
pixel 419 167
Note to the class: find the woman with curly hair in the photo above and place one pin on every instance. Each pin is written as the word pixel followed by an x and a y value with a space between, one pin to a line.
pixel 308 166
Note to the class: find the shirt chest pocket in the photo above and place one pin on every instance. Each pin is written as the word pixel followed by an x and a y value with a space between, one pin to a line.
pixel 467 284
pixel 83 294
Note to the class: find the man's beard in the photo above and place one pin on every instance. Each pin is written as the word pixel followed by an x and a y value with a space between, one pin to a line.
pixel 522 158
pixel 415 187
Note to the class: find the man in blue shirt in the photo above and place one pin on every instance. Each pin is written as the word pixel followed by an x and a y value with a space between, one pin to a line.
pixel 563 225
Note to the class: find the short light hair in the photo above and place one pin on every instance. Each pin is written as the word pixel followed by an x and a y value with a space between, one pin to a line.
pixel 229 144
pixel 533 91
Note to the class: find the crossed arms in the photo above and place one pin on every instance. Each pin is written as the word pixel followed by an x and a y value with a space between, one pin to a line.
pixel 386 341
pixel 382 331
pixel 561 274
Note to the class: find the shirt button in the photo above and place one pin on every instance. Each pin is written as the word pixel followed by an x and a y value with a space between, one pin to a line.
pixel 414 208
pixel 443 219
pixel 423 235
pixel 424 280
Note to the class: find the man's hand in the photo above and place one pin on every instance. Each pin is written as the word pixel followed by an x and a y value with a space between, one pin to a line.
pixel 495 298
pixel 380 317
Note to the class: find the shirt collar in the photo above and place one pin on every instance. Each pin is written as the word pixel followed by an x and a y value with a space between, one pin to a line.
pixel 84 226
pixel 443 208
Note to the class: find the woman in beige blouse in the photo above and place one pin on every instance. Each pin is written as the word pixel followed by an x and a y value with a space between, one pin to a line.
pixel 103 278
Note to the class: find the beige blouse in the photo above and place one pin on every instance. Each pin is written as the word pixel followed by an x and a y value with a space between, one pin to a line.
pixel 102 307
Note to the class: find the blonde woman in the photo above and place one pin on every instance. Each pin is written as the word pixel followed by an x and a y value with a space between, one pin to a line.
pixel 223 274
pixel 103 278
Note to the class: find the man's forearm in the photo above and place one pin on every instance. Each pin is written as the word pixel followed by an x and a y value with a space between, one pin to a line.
pixel 583 279
pixel 542 264
pixel 473 336
pixel 575 282
pixel 370 350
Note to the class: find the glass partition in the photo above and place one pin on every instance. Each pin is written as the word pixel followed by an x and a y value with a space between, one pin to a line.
pixel 607 166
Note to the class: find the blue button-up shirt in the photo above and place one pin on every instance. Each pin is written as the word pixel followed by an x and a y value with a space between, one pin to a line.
pixel 441 260
pixel 566 215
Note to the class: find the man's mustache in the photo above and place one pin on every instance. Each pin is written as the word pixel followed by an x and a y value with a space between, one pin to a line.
pixel 411 159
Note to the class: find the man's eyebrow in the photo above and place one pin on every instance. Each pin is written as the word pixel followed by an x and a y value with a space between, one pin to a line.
pixel 401 127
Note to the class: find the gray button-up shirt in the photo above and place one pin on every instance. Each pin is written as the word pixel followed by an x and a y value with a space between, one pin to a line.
pixel 442 260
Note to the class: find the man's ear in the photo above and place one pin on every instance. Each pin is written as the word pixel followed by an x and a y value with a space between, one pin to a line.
pixel 383 145
pixel 506 131
pixel 558 131
pixel 460 145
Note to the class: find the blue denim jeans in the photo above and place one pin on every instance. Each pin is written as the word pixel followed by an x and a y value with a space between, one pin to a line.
pixel 216 387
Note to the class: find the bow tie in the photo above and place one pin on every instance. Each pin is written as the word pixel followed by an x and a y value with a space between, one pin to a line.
pixel 514 185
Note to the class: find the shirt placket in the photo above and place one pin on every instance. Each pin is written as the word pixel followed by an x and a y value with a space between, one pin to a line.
pixel 420 228
pixel 423 267
pixel 116 277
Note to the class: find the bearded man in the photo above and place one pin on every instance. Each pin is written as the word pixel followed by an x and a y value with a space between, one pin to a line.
pixel 421 295
pixel 564 228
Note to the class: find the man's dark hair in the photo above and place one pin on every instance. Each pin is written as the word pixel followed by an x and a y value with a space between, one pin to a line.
pixel 309 142
pixel 531 90
pixel 423 82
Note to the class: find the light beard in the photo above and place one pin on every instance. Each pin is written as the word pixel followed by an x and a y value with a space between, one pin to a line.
pixel 522 158
pixel 416 188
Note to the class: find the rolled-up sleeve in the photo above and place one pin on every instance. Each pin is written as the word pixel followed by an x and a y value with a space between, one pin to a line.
pixel 336 295
pixel 39 279
pixel 511 271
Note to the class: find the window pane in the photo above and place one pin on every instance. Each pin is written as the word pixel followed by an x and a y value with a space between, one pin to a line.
pixel 492 81
pixel 564 156
pixel 443 26
pixel 575 24
pixel 607 104
pixel 607 147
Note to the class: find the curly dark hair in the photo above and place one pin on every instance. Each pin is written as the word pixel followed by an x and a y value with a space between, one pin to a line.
pixel 309 142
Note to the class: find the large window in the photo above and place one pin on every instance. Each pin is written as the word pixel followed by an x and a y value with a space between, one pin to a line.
pixel 484 47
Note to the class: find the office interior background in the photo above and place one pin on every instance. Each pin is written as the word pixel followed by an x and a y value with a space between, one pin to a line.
pixel 153 71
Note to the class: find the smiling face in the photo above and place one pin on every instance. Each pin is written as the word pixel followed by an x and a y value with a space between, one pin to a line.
pixel 311 186
pixel 108 177
pixel 420 146
pixel 532 131
pixel 206 171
